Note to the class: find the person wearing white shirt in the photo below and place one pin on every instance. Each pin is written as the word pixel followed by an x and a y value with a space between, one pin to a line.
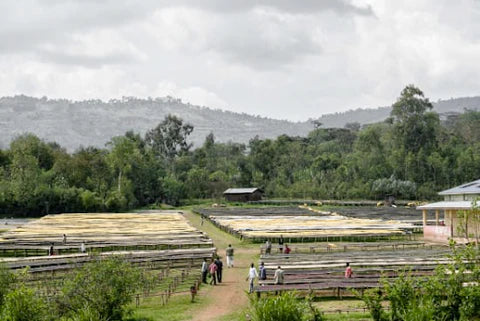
pixel 252 275
pixel 204 271
pixel 83 249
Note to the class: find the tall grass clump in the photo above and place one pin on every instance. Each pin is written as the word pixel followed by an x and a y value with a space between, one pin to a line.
pixel 284 307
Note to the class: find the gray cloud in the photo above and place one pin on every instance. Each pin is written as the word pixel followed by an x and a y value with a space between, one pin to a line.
pixel 283 58
pixel 291 6
pixel 53 23
pixel 265 42
pixel 85 60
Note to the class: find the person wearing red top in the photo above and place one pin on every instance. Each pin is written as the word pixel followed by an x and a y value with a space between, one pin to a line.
pixel 287 249
pixel 212 268
pixel 348 271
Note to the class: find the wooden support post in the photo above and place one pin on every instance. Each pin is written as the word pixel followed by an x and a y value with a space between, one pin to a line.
pixel 437 217
pixel 424 212
pixel 451 223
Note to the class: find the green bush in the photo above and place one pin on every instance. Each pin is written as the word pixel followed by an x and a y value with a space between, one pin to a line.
pixel 284 307
pixel 7 279
pixel 85 314
pixel 391 185
pixel 452 293
pixel 105 287
pixel 373 300
pixel 116 202
pixel 21 304
pixel 90 201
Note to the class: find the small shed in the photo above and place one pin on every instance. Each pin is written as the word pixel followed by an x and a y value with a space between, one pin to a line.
pixel 243 194
pixel 450 220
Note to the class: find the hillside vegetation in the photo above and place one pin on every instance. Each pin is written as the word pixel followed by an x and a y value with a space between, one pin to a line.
pixel 412 154
pixel 94 122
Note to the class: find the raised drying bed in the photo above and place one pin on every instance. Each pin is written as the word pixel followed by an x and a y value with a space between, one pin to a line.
pixel 167 249
pixel 322 273
pixel 302 224
pixel 103 232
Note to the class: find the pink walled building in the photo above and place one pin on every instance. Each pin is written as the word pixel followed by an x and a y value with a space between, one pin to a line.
pixel 454 218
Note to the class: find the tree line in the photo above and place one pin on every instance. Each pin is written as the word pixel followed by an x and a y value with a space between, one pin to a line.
pixel 412 155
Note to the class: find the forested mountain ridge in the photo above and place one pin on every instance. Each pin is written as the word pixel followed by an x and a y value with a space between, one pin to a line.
pixel 94 122
pixel 375 115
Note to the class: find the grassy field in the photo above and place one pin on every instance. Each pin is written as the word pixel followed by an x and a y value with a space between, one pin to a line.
pixel 178 308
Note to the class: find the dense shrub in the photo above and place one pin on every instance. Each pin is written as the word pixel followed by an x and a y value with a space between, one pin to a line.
pixel 7 279
pixel 284 307
pixel 22 304
pixel 104 287
pixel 391 185
pixel 452 293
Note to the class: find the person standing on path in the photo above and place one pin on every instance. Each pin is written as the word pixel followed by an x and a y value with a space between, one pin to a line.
pixel 279 277
pixel 280 243
pixel 252 275
pixel 219 265
pixel 229 251
pixel 212 268
pixel 204 271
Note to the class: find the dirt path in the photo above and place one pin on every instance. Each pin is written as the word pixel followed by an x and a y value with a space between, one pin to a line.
pixel 229 296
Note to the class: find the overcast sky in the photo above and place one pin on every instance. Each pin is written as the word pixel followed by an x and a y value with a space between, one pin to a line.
pixel 288 59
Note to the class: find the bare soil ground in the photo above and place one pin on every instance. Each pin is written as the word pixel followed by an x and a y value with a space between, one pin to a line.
pixel 229 296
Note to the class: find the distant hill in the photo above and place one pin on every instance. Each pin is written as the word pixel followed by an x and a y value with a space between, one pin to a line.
pixel 94 122
pixel 369 115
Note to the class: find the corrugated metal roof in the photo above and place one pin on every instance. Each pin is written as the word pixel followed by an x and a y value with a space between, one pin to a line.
pixel 467 188
pixel 241 190
pixel 460 205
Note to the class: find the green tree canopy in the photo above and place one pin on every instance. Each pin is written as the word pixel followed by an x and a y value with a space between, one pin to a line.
pixel 169 138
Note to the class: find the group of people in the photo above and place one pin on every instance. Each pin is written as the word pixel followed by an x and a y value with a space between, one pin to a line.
pixel 278 277
pixel 214 270
pixel 281 248
pixel 51 249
